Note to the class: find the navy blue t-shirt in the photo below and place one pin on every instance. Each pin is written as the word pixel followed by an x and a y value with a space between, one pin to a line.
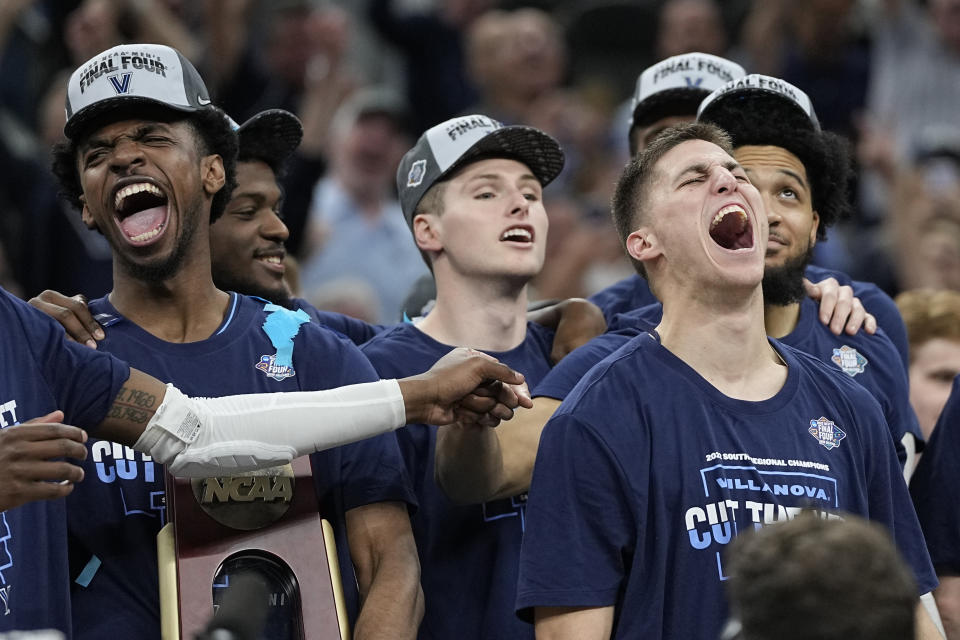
pixel 633 292
pixel 871 360
pixel 877 302
pixel 44 372
pixel 468 554
pixel 356 330
pixel 114 516
pixel 646 472
pixel 934 488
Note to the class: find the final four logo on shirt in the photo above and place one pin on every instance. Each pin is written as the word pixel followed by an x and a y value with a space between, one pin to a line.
pixel 826 432
pixel 281 326
pixel 849 360
pixel 268 364
pixel 417 170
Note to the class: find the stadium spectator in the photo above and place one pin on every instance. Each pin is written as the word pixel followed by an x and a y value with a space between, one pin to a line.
pixel 357 235
pixel 438 86
pixel 686 26
pixel 932 318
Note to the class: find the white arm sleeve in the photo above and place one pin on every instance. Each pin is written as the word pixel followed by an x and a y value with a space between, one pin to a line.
pixel 201 437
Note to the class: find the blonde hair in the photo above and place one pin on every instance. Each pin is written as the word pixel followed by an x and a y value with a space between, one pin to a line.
pixel 929 314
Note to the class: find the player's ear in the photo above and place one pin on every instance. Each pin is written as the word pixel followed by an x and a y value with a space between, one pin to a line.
pixel 85 216
pixel 643 245
pixel 814 227
pixel 426 232
pixel 212 174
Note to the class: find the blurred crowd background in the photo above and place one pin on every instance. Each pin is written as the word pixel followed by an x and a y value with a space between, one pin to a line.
pixel 366 77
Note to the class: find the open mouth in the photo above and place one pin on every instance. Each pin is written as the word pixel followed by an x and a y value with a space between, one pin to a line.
pixel 141 210
pixel 520 235
pixel 731 229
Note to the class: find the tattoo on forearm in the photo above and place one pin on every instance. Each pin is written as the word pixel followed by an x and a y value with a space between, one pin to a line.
pixel 133 405
pixel 136 397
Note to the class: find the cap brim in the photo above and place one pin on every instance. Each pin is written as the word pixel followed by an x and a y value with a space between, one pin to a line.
pixel 541 153
pixel 114 108
pixel 725 112
pixel 272 135
pixel 666 103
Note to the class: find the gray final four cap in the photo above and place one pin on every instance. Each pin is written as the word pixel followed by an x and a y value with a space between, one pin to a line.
pixel 450 145
pixel 270 135
pixel 781 102
pixel 131 75
pixel 676 85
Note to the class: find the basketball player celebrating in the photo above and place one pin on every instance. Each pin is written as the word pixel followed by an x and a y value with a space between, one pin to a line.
pixel 717 427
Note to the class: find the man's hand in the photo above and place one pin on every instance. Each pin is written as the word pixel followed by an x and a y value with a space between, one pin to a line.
pixel 493 391
pixel 839 308
pixel 464 386
pixel 73 314
pixel 27 469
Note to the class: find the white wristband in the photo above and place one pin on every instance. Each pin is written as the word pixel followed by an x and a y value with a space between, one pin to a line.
pixel 207 436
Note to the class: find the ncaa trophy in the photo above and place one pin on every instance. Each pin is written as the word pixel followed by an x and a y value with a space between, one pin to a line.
pixel 266 523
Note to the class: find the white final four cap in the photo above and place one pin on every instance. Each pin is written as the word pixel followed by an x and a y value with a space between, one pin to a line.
pixel 676 85
pixel 446 147
pixel 779 98
pixel 131 75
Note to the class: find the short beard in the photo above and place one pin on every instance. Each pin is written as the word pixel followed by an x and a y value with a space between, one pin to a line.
pixel 783 285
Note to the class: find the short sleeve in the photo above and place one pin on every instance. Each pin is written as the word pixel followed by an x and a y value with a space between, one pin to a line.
pixel 83 381
pixel 373 471
pixel 580 530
